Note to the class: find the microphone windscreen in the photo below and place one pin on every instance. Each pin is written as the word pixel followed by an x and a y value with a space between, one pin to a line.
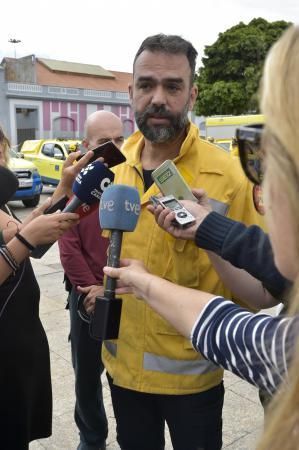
pixel 119 208
pixel 91 182
pixel 8 185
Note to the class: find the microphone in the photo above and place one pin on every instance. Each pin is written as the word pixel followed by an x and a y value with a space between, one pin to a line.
pixel 119 211
pixel 8 185
pixel 89 185
pixel 87 188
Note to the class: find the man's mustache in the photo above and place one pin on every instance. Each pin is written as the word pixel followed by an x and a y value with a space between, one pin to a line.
pixel 156 111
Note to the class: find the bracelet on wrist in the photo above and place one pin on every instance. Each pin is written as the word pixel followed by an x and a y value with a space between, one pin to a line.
pixel 15 224
pixel 2 242
pixel 25 242
pixel 9 258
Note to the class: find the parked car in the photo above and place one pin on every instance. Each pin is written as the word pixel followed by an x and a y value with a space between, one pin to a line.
pixel 224 127
pixel 30 183
pixel 48 155
pixel 229 145
pixel 226 144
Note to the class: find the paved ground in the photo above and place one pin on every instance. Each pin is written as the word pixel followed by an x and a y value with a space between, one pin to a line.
pixel 243 415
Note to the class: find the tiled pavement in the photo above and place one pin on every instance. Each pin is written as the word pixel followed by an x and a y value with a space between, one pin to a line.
pixel 243 415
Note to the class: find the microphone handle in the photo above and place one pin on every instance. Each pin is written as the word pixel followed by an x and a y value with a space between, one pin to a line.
pixel 113 261
pixel 73 204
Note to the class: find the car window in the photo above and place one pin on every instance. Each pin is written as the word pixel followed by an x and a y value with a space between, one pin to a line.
pixel 48 150
pixel 224 145
pixel 58 152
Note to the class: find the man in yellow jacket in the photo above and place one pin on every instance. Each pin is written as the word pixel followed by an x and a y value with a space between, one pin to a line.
pixel 154 373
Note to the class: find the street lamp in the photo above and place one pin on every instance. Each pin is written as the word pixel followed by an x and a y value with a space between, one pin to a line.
pixel 14 41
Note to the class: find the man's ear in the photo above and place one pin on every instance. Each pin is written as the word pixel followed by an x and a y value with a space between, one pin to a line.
pixel 193 96
pixel 85 143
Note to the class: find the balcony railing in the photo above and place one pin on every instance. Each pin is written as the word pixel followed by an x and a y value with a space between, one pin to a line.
pixel 49 92
pixel 21 87
pixel 122 95
pixel 63 91
pixel 95 93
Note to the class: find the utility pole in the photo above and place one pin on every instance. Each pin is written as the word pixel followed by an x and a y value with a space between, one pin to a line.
pixel 15 41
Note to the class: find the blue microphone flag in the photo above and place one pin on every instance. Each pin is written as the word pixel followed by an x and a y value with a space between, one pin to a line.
pixel 119 208
pixel 91 182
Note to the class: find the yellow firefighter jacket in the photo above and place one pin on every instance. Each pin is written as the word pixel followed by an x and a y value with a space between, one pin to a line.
pixel 150 355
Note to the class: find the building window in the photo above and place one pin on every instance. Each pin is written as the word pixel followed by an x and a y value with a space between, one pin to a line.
pixel 64 128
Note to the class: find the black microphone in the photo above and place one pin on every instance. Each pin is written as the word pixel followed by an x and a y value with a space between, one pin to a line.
pixel 119 212
pixel 8 185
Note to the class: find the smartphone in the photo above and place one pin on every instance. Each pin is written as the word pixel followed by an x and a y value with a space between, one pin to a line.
pixel 40 250
pixel 170 182
pixel 60 204
pixel 111 154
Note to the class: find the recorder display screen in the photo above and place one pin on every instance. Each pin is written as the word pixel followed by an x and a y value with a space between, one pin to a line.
pixel 172 204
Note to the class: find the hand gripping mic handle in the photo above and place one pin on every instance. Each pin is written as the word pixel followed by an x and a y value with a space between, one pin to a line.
pixel 113 261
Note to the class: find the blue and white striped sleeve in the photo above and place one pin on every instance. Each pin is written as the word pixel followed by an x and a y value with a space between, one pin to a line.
pixel 256 347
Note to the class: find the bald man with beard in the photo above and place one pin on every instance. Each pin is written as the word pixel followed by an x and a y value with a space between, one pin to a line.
pixel 83 253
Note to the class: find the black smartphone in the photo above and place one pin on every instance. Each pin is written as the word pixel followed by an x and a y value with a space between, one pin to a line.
pixel 109 152
pixel 40 250
pixel 60 204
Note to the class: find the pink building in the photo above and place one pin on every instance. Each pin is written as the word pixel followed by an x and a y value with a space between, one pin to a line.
pixel 44 98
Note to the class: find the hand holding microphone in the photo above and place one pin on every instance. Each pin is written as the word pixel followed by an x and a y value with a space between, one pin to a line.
pixel 119 212
pixel 132 277
pixel 87 188
pixel 70 170
pixel 89 185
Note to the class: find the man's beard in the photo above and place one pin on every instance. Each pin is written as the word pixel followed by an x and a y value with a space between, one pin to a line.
pixel 161 133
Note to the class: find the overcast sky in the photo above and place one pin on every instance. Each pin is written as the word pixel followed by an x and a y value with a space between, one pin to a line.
pixel 109 32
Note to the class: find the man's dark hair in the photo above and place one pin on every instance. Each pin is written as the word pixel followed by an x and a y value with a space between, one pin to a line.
pixel 173 44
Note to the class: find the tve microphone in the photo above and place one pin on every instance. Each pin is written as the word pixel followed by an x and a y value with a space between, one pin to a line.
pixel 8 185
pixel 87 188
pixel 119 211
pixel 89 185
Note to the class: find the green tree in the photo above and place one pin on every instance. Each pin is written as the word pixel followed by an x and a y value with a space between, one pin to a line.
pixel 229 78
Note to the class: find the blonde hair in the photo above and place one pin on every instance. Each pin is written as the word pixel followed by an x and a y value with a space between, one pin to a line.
pixel 280 104
pixel 6 145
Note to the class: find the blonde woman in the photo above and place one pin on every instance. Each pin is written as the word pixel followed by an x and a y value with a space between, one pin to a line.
pixel 260 348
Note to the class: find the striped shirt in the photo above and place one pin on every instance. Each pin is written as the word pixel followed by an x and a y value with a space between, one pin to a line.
pixel 256 347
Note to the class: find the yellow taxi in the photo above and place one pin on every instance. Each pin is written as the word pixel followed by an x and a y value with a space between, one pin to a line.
pixel 48 155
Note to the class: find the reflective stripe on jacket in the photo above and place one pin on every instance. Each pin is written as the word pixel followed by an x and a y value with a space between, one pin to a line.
pixel 150 355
